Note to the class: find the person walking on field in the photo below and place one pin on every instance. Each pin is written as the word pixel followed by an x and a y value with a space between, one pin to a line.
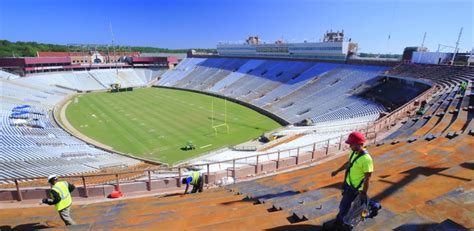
pixel 359 169
pixel 61 198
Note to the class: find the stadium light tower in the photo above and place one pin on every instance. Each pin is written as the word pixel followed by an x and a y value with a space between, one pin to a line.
pixel 423 42
pixel 457 46
pixel 115 55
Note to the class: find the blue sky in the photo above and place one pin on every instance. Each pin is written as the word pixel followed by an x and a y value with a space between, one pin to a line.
pixel 202 24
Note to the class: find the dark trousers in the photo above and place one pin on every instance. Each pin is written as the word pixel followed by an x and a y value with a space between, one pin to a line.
pixel 199 186
pixel 348 196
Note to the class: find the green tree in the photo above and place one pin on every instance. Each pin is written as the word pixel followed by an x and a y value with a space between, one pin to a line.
pixel 29 49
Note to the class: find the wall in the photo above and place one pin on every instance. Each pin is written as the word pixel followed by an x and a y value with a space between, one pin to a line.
pixel 431 57
pixel 173 183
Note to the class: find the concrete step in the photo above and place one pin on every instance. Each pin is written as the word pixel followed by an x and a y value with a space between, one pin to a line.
pixel 410 219
pixel 258 221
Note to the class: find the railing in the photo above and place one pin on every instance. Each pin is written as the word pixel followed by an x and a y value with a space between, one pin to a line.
pixel 257 156
pixel 244 148
pixel 116 178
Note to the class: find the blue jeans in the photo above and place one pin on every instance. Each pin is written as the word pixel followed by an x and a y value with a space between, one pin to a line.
pixel 348 196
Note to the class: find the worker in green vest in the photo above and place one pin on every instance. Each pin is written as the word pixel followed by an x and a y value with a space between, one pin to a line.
pixel 60 194
pixel 359 169
pixel 463 87
pixel 194 179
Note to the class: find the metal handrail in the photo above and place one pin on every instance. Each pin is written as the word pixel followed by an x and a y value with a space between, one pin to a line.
pixel 182 166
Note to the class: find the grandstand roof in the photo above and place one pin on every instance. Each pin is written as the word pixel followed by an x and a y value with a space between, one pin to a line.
pixel 53 54
pixel 33 60
pixel 20 62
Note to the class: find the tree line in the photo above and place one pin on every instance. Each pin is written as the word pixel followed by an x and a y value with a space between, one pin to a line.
pixel 29 49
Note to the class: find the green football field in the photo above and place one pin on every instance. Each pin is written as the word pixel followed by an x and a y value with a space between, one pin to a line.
pixel 155 123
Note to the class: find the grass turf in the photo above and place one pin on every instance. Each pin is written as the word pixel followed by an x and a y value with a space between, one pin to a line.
pixel 155 123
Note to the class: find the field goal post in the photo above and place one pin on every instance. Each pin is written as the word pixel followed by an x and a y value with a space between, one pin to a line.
pixel 213 124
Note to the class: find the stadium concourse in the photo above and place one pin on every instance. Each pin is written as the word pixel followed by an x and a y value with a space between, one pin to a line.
pixel 423 171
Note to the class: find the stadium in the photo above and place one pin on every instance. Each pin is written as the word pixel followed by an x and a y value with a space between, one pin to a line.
pixel 264 125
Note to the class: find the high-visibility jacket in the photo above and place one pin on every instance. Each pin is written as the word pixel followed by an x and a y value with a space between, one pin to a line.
pixel 62 188
pixel 359 164
pixel 195 176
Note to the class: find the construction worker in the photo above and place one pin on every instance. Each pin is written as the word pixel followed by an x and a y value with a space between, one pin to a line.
pixel 194 179
pixel 463 87
pixel 359 168
pixel 61 198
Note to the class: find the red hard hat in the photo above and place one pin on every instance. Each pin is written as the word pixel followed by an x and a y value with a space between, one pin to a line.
pixel 355 138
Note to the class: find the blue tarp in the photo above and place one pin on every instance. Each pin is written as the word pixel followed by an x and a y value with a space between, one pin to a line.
pixel 19 113
pixel 21 107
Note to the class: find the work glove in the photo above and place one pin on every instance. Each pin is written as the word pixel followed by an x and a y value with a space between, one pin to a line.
pixel 333 174
pixel 45 200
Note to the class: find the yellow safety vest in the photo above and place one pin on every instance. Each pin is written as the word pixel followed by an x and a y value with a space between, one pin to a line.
pixel 195 176
pixel 62 188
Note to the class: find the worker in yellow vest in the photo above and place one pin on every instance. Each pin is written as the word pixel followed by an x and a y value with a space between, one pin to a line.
pixel 359 169
pixel 194 179
pixel 61 198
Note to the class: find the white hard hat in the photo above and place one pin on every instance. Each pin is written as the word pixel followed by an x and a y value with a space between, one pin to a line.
pixel 50 177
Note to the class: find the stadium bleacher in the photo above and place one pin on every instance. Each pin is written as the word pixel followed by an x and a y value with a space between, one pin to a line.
pixel 294 90
pixel 34 151
pixel 448 108
pixel 32 144
pixel 423 171
pixel 7 75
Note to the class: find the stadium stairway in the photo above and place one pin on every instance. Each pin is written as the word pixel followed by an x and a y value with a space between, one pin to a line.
pixel 218 208
pixel 449 113
pixel 413 179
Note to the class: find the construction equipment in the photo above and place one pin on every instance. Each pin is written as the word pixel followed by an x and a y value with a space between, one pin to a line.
pixel 361 209
pixel 189 146
pixel 423 108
